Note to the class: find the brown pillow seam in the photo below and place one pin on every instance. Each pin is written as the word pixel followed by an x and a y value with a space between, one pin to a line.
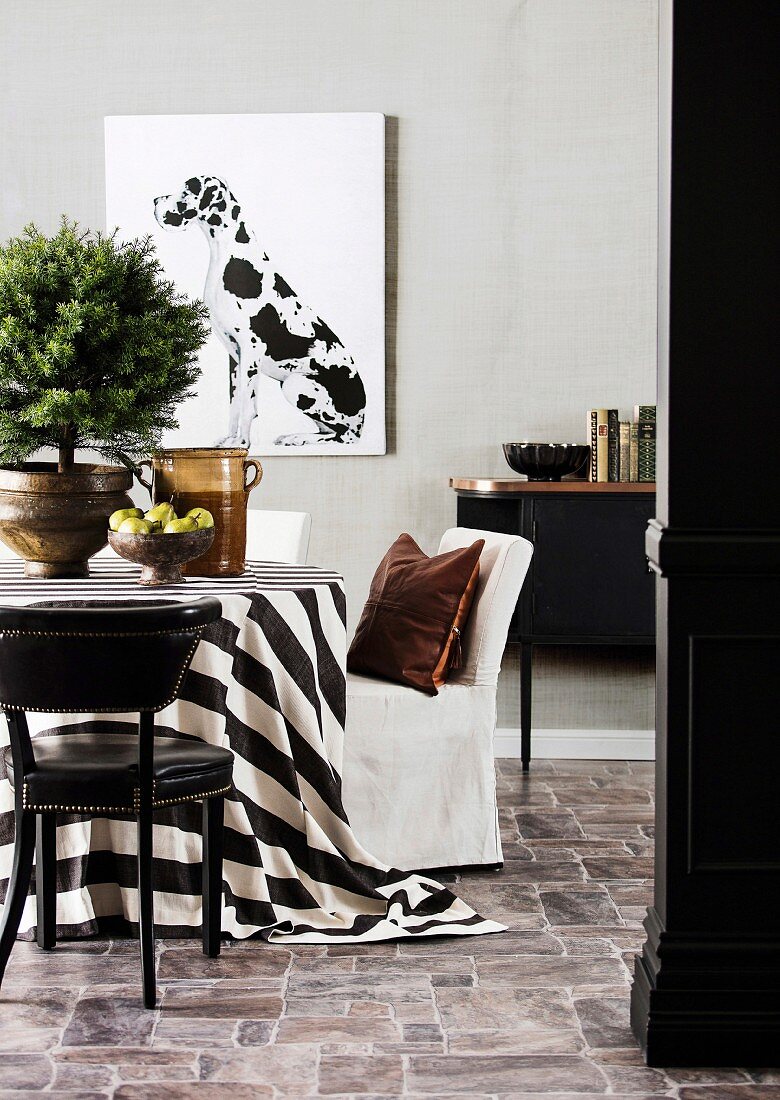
pixel 409 611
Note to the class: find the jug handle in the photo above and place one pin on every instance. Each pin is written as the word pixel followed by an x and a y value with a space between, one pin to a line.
pixel 258 473
pixel 146 484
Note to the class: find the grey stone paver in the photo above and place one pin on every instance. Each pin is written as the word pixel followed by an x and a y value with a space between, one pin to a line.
pixel 541 1010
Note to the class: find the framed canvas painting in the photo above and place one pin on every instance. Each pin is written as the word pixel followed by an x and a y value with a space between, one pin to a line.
pixel 277 222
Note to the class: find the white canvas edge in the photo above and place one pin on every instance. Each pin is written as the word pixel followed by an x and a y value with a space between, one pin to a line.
pixel 327 451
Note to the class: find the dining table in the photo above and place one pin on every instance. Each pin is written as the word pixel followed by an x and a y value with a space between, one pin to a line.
pixel 268 680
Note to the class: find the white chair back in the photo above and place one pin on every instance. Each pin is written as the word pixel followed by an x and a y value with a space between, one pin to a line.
pixel 503 566
pixel 277 536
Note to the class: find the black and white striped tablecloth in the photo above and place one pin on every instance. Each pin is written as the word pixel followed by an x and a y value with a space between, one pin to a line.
pixel 268 680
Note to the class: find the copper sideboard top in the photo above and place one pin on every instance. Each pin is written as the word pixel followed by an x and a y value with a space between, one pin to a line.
pixel 522 485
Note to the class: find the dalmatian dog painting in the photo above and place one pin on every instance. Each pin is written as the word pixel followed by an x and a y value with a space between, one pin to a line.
pixel 264 326
pixel 277 223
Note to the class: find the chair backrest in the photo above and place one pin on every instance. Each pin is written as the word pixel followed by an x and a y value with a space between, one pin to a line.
pixel 503 565
pixel 277 536
pixel 99 658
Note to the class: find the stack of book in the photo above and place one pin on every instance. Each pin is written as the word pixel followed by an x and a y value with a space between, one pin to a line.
pixel 622 450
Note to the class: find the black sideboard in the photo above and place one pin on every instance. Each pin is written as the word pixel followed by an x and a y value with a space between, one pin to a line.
pixel 588 583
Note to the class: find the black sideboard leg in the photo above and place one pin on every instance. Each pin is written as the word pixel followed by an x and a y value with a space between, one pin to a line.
pixel 526 669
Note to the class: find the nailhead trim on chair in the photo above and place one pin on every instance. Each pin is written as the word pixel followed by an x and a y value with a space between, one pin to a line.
pixel 76 634
pixel 76 809
pixel 92 634
pixel 190 797
pixel 134 809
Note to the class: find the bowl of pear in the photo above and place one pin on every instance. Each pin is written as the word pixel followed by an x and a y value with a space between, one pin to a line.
pixel 160 541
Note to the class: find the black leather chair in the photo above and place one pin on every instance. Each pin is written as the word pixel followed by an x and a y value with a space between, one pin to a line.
pixel 105 659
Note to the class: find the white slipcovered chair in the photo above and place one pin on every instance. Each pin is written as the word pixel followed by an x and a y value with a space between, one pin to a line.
pixel 419 782
pixel 277 536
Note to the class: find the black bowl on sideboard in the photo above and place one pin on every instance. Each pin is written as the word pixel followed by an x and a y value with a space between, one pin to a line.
pixel 546 461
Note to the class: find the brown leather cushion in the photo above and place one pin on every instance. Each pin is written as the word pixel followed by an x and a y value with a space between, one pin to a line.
pixel 416 607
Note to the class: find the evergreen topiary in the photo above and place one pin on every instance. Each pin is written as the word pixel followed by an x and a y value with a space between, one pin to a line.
pixel 96 347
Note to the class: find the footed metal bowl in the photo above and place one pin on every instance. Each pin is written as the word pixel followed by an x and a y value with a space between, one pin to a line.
pixel 546 461
pixel 161 555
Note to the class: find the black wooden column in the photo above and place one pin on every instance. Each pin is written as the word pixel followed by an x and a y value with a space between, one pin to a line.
pixel 707 986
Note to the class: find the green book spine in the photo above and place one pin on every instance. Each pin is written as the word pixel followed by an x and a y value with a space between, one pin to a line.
pixel 624 462
pixel 613 445
pixel 633 452
pixel 644 412
pixel 644 415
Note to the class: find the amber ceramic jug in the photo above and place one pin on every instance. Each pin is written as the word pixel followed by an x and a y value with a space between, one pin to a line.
pixel 216 479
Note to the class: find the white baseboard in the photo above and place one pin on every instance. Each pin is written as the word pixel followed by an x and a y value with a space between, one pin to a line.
pixel 579 744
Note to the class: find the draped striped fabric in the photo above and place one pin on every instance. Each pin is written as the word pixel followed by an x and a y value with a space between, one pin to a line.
pixel 268 681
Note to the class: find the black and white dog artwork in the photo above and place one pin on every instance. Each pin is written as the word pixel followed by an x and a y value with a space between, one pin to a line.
pixel 265 327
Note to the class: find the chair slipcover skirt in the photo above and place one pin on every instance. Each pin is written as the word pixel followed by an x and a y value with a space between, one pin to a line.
pixel 419 780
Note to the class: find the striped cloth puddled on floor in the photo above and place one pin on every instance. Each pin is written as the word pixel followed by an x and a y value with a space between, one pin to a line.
pixel 268 680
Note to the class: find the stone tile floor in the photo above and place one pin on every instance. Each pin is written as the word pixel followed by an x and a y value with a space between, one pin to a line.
pixel 541 1010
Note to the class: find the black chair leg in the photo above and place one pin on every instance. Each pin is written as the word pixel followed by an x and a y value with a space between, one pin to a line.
pixel 526 668
pixel 146 907
pixel 18 884
pixel 46 879
pixel 213 820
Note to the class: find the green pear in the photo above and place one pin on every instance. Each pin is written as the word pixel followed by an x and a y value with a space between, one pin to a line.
pixel 161 513
pixel 118 517
pixel 202 517
pixel 135 526
pixel 177 526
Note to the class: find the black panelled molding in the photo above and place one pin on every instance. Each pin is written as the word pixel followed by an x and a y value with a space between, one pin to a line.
pixel 707 986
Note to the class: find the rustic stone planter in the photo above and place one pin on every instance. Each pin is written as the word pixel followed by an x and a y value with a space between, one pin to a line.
pixel 56 522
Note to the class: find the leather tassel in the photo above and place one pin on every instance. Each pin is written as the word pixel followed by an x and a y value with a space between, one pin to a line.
pixel 456 651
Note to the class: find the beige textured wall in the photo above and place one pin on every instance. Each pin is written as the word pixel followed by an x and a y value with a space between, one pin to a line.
pixel 522 197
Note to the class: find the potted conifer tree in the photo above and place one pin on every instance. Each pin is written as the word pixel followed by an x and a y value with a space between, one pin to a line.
pixel 96 351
